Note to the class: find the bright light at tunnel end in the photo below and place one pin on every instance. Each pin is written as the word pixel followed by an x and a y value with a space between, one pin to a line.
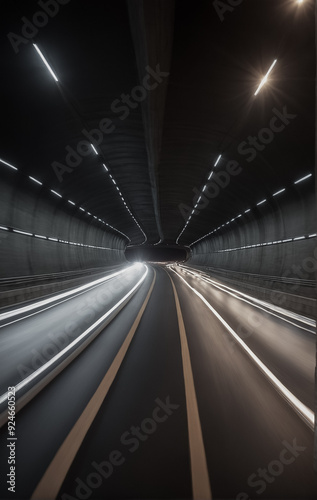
pixel 138 265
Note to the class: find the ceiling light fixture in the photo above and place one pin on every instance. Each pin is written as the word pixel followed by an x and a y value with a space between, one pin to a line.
pixel 303 178
pixel 218 159
pixel 45 62
pixel 94 149
pixel 278 192
pixel 35 180
pixel 8 164
pixel 264 80
pixel 57 194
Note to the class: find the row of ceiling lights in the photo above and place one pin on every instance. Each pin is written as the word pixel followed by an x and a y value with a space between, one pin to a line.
pixel 55 193
pixel 197 202
pixel 268 243
pixel 121 195
pixel 50 238
pixel 262 83
pixel 94 149
pixel 280 191
pixel 96 152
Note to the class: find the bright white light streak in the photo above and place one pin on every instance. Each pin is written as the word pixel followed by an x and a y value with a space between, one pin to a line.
pixel 204 188
pixel 305 413
pixel 299 238
pixel 210 175
pixel 106 169
pixel 35 180
pixel 8 164
pixel 94 149
pixel 264 80
pixel 71 202
pixel 45 62
pixel 260 304
pixel 70 346
pixel 218 159
pixel 52 239
pixel 260 202
pixel 82 209
pixel 248 210
pixel 279 192
pixel 57 194
pixel 312 235
pixel 303 178
pixel 40 236
pixel 4 228
pixel 22 232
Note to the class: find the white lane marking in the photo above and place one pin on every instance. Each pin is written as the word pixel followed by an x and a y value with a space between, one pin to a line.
pixel 53 360
pixel 57 298
pixel 304 412
pixel 266 305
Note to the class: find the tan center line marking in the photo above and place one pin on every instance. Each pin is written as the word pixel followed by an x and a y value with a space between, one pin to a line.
pixel 54 476
pixel 199 470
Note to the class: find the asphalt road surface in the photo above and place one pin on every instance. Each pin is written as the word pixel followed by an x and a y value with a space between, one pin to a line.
pixel 157 383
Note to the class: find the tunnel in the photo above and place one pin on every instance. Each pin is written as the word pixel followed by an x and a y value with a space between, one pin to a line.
pixel 158 250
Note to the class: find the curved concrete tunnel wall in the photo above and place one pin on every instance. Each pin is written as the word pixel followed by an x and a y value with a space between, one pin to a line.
pixel 32 210
pixel 293 216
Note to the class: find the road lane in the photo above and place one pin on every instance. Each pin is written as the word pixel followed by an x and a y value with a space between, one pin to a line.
pixel 245 422
pixel 24 310
pixel 288 351
pixel 199 471
pixel 44 423
pixel 156 459
pixel 302 322
pixel 41 337
pixel 138 444
pixel 56 472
